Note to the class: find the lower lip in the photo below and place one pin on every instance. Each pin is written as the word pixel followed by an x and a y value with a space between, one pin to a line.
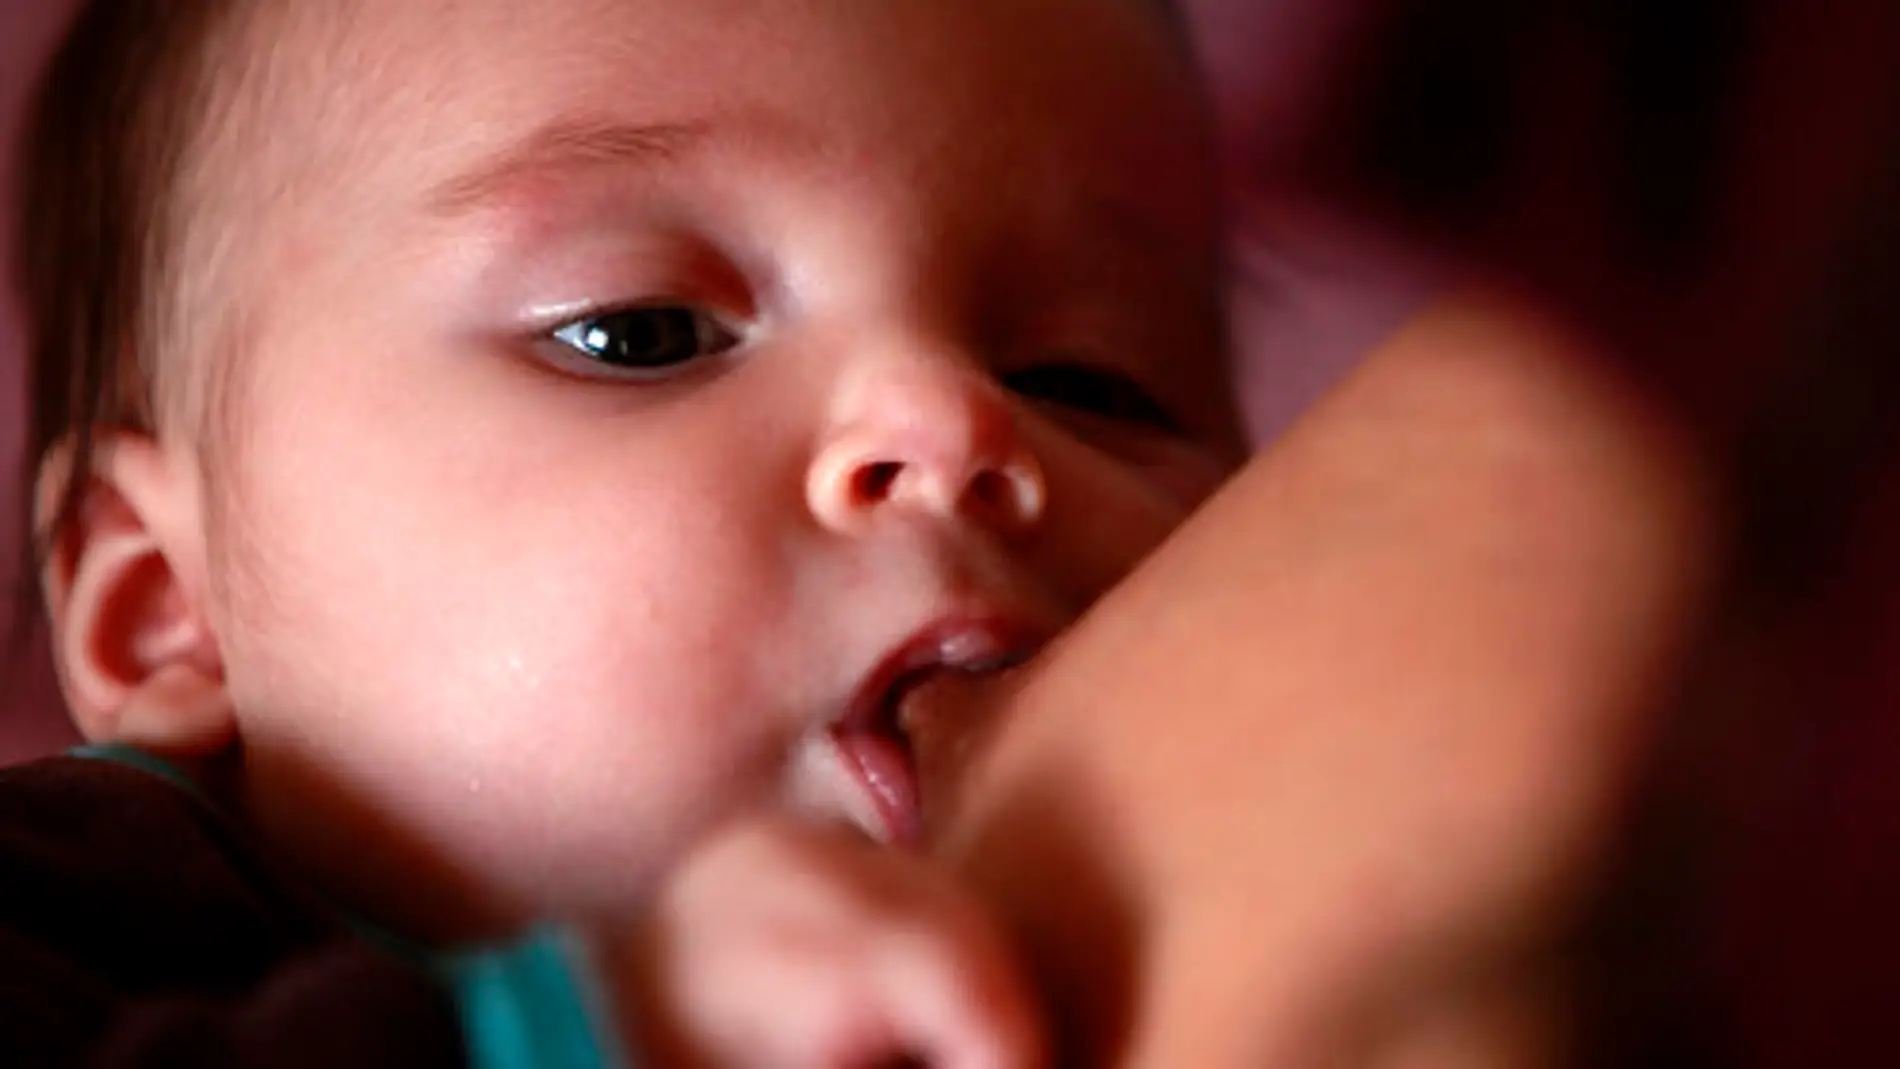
pixel 887 770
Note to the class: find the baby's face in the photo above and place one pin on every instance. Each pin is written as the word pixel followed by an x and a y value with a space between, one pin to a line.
pixel 647 391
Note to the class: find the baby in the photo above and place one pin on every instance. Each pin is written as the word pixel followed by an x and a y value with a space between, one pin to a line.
pixel 535 468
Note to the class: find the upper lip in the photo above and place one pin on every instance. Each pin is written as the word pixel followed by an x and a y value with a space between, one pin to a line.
pixel 977 642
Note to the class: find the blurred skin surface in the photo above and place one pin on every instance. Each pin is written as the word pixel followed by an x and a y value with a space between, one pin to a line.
pixel 1317 786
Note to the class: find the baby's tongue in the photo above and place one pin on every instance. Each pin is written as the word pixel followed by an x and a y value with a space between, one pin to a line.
pixel 948 720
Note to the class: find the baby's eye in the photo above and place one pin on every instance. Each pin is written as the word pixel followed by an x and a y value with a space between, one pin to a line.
pixel 648 339
pixel 1094 390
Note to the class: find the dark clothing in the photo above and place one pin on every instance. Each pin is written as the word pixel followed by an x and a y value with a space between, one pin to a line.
pixel 138 929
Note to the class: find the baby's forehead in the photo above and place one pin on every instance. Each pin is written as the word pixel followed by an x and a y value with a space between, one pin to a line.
pixel 387 111
pixel 358 84
pixel 375 116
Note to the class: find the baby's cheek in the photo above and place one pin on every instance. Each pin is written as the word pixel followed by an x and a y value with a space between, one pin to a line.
pixel 1186 476
pixel 1107 515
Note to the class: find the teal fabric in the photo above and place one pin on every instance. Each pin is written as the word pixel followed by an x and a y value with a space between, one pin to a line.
pixel 528 1004
pixel 144 762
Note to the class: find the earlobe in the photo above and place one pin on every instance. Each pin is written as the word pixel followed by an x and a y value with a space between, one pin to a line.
pixel 138 660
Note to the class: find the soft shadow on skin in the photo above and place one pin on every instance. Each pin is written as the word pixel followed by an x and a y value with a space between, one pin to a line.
pixel 353 823
pixel 1038 855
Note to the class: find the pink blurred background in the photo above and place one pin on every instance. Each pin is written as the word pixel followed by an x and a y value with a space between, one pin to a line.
pixel 29 719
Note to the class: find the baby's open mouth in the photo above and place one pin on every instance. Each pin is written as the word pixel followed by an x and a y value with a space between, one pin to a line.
pixel 906 695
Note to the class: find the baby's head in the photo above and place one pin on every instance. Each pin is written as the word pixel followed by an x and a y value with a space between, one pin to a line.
pixel 512 437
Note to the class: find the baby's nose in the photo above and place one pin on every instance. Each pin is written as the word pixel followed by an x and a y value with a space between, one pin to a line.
pixel 930 435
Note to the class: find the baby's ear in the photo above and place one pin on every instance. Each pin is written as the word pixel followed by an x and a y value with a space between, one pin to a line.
pixel 138 661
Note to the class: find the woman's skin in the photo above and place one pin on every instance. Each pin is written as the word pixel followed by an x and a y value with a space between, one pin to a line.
pixel 1322 783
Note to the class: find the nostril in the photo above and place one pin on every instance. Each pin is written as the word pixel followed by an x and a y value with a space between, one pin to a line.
pixel 993 490
pixel 1012 494
pixel 874 482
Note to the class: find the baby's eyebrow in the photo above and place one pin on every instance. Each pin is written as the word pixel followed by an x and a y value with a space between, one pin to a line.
pixel 565 145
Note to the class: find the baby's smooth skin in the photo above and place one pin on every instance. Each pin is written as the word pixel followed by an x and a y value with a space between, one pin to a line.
pixel 603 411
